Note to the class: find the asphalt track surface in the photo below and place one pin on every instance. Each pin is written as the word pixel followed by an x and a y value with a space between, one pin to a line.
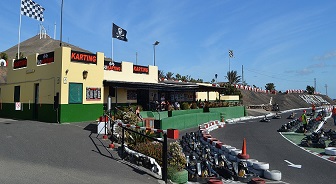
pixel 35 152
pixel 265 144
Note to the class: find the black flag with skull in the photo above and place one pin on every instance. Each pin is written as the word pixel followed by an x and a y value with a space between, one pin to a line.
pixel 119 33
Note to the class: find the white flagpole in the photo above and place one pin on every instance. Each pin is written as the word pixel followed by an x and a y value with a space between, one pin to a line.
pixel 18 53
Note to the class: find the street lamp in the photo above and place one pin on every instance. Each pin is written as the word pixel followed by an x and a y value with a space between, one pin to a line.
pixel 155 44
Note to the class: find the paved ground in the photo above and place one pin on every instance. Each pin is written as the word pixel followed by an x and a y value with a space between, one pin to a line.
pixel 36 152
pixel 264 143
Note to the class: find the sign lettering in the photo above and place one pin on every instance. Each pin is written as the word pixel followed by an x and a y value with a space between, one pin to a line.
pixel 83 57
pixel 115 66
pixel 140 69
pixel 20 63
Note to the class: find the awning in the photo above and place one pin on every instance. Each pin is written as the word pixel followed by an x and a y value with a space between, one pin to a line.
pixel 162 86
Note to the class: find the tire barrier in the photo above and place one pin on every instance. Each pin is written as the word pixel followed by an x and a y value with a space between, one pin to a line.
pixel 250 162
pixel 272 175
pixel 260 165
pixel 143 160
pixel 330 151
pixel 232 154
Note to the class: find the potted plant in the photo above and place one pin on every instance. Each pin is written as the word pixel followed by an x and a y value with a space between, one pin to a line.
pixel 177 163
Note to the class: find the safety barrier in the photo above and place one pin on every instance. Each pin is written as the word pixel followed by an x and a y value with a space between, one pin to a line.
pixel 260 168
pixel 249 88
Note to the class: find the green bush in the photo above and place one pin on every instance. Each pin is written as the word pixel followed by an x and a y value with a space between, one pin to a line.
pixel 185 106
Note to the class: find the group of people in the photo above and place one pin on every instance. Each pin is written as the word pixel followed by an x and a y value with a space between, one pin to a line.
pixel 319 117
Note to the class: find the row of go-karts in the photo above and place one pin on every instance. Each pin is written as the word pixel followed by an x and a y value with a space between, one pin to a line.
pixel 316 136
pixel 203 162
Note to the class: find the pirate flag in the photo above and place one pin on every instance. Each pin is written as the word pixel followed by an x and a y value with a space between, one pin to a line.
pixel 119 33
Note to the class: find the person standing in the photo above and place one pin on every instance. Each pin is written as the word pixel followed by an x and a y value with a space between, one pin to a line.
pixel 334 114
pixel 313 109
pixel 304 121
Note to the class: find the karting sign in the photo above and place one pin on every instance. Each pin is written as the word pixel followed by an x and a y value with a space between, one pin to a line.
pixel 45 58
pixel 115 66
pixel 20 63
pixel 140 69
pixel 83 57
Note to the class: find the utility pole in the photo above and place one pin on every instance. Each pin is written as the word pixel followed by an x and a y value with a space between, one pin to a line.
pixel 243 74
pixel 326 86
pixel 136 58
pixel 314 85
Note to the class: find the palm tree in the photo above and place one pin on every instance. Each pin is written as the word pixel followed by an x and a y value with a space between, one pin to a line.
pixel 169 75
pixel 270 86
pixel 178 76
pixel 232 77
pixel 161 74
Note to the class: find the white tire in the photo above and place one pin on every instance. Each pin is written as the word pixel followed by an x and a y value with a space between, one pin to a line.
pixel 235 152
pixel 227 149
pixel 330 151
pixel 261 165
pixel 272 175
pixel 224 146
pixel 250 162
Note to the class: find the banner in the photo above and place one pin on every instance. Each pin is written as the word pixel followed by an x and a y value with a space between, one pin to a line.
pixel 31 9
pixel 119 33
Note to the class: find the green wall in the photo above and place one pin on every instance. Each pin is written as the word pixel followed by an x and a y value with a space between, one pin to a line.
pixel 188 120
pixel 80 112
pixel 230 112
pixel 46 112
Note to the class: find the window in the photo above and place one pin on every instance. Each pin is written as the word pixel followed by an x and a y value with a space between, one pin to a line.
pixel 75 93
pixel 112 91
pixel 16 93
pixel 131 95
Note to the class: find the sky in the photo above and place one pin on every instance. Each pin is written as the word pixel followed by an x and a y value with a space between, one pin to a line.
pixel 291 43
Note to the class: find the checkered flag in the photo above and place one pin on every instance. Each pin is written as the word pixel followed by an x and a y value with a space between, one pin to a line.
pixel 31 9
pixel 231 53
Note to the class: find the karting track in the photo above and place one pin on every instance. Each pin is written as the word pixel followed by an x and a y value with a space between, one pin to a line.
pixel 265 144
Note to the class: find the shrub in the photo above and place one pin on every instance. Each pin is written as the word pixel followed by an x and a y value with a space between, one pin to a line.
pixel 185 106
pixel 150 149
pixel 176 157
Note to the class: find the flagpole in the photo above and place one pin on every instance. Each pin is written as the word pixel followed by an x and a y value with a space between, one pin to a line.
pixel 61 24
pixel 18 53
pixel 112 49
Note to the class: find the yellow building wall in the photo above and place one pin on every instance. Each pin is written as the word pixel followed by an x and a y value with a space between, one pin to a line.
pixel 204 95
pixel 46 75
pixel 72 72
pixel 230 97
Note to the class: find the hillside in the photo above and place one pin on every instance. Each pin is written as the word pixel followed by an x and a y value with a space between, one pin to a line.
pixel 285 101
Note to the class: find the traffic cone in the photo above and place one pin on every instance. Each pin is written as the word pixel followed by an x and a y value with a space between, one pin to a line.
pixel 105 137
pixel 244 155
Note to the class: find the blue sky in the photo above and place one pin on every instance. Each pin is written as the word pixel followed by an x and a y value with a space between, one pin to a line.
pixel 286 42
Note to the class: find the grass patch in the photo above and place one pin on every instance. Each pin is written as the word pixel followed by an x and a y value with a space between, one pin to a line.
pixel 297 137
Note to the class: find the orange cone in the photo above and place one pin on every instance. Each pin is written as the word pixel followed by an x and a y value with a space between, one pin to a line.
pixel 244 155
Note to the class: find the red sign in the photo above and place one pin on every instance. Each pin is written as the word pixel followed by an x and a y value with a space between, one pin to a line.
pixel 83 57
pixel 140 69
pixel 45 58
pixel 20 63
pixel 115 66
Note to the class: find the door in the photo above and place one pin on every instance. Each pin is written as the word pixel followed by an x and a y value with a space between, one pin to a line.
pixel 36 101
